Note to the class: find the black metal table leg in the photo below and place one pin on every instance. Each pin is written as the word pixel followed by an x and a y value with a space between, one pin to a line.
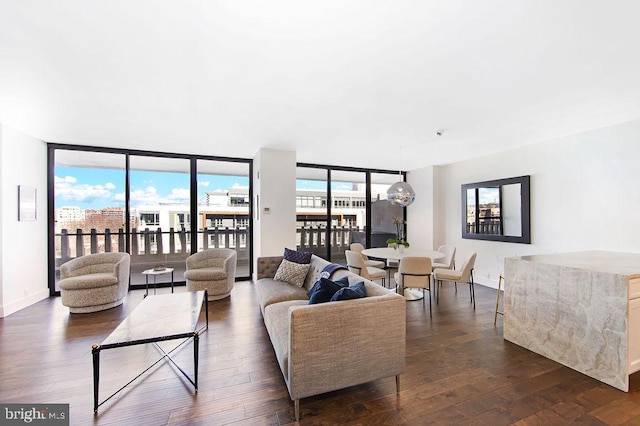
pixel 95 351
pixel 196 341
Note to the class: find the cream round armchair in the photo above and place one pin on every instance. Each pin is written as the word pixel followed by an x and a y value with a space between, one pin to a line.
pixel 94 282
pixel 213 270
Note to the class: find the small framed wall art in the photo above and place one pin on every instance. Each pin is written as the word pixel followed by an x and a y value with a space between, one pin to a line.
pixel 26 203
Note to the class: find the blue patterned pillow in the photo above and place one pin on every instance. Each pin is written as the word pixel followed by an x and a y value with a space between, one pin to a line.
pixel 323 291
pixel 355 291
pixel 301 257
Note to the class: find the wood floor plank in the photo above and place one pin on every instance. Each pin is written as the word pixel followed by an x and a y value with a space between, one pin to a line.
pixel 459 371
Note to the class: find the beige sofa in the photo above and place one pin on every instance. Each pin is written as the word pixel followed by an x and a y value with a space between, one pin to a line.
pixel 334 345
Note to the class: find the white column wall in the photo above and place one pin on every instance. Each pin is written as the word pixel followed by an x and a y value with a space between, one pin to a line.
pixel 584 196
pixel 274 185
pixel 23 245
pixel 420 214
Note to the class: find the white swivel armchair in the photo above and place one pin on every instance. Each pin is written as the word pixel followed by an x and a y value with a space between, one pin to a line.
pixel 94 282
pixel 213 270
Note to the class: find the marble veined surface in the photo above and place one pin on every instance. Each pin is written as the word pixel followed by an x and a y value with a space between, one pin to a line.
pixel 572 308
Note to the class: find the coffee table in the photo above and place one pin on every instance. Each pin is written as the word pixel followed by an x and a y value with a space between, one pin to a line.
pixel 157 318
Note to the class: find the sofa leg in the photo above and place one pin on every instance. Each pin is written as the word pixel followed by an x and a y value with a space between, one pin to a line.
pixel 398 384
pixel 296 404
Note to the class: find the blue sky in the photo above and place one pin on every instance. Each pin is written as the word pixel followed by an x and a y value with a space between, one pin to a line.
pixel 92 188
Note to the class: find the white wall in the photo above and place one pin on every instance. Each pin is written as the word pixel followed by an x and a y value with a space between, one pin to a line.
pixel 23 245
pixel 584 196
pixel 274 180
pixel 420 215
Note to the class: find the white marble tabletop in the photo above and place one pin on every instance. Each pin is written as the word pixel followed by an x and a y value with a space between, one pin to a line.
pixel 396 254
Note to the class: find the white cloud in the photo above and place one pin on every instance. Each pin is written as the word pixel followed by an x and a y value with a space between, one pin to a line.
pixel 66 179
pixel 204 183
pixel 179 195
pixel 149 195
pixel 67 190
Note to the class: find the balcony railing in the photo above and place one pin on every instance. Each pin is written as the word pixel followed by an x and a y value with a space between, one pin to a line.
pixel 147 243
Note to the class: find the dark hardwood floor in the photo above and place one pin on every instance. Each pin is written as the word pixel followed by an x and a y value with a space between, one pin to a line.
pixel 459 371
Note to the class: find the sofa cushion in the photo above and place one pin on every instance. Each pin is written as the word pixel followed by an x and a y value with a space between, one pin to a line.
pixel 324 290
pixel 302 257
pixel 205 274
pixel 271 291
pixel 354 291
pixel 292 273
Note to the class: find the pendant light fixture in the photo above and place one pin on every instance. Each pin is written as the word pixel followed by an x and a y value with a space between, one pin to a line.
pixel 401 193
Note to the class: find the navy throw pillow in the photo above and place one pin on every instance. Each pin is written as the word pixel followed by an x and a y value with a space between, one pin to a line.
pixel 343 282
pixel 355 291
pixel 323 291
pixel 302 257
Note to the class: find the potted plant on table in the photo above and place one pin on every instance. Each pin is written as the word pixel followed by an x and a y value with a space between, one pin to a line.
pixel 400 242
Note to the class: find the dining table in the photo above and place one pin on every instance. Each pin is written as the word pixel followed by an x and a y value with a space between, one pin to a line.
pixel 390 253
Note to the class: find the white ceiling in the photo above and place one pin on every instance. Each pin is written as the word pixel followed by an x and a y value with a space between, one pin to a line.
pixel 340 82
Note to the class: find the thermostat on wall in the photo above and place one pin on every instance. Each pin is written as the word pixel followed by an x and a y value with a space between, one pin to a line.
pixel 266 210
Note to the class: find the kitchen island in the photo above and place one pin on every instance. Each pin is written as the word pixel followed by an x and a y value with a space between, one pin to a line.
pixel 579 309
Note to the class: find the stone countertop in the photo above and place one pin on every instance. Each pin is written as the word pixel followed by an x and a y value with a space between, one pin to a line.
pixel 612 262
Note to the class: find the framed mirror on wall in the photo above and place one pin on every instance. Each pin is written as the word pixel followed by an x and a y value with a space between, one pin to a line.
pixel 497 210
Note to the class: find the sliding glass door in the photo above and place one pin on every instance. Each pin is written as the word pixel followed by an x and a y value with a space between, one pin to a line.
pixel 338 206
pixel 224 209
pixel 159 204
pixel 311 210
pixel 348 212
pixel 89 205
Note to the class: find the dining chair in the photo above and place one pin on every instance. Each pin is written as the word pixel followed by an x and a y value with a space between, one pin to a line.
pixel 448 261
pixel 369 262
pixel 355 264
pixel 465 274
pixel 415 272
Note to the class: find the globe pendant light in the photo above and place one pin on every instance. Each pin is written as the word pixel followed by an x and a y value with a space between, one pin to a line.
pixel 401 193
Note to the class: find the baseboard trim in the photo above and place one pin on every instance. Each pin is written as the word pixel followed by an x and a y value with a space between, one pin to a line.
pixel 12 307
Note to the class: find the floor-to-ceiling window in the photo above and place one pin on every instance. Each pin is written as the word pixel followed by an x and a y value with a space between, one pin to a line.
pixel 312 209
pixel 224 218
pixel 382 211
pixel 159 202
pixel 348 211
pixel 89 205
pixel 92 190
pixel 336 206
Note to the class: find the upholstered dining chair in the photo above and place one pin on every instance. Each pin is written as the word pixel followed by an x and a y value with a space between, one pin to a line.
pixel 415 272
pixel 355 264
pixel 369 262
pixel 448 261
pixel 465 274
